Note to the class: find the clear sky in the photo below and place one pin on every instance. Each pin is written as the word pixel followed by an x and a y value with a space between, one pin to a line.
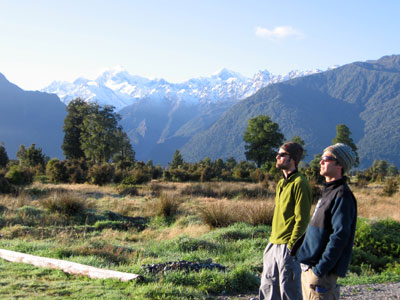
pixel 46 40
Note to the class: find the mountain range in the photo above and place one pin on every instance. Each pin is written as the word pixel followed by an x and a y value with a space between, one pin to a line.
pixel 206 117
pixel 120 89
pixel 160 117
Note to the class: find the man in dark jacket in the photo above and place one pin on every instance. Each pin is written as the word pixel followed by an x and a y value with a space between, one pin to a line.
pixel 325 252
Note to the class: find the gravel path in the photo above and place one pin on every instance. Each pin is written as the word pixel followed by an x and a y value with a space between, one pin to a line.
pixel 383 291
pixel 371 291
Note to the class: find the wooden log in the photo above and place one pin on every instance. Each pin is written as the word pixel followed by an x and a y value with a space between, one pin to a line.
pixel 66 266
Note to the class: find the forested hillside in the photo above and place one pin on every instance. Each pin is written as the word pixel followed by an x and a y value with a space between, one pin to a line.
pixel 363 95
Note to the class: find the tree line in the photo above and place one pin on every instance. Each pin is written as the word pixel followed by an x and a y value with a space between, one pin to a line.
pixel 98 151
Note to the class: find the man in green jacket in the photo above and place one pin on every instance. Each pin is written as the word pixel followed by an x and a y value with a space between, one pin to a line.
pixel 281 272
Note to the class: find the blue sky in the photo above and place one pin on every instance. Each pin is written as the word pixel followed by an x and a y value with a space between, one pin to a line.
pixel 42 41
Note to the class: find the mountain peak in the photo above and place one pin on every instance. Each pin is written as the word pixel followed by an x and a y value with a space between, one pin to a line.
pixel 225 74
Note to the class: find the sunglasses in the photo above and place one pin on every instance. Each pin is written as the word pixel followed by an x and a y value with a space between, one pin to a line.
pixel 328 158
pixel 282 154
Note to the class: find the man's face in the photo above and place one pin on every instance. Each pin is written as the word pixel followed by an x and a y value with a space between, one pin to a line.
pixel 329 166
pixel 283 160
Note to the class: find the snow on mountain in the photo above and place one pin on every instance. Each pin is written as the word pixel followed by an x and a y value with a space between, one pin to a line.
pixel 119 88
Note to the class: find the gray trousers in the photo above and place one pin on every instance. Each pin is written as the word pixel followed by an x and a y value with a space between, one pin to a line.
pixel 281 276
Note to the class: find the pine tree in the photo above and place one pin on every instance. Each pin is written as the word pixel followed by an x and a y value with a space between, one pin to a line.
pixel 343 134
pixel 177 160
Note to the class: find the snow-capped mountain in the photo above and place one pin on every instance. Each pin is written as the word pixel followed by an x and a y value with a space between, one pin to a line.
pixel 119 88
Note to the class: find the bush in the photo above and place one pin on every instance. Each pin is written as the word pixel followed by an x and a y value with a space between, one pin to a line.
pixel 126 190
pixel 5 186
pixel 391 187
pixel 179 175
pixel 19 176
pixel 137 176
pixel 65 203
pixel 257 175
pixel 101 174
pixel 376 243
pixel 76 171
pixel 56 171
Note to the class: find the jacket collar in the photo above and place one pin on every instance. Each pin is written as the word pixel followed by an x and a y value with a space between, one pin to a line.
pixel 290 176
pixel 335 183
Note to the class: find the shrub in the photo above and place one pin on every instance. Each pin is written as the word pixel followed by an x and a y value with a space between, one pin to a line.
pixel 57 171
pixel 179 174
pixel 136 176
pixel 257 175
pixel 76 171
pixel 5 186
pixel 391 187
pixel 19 176
pixel 101 174
pixel 376 243
pixel 126 190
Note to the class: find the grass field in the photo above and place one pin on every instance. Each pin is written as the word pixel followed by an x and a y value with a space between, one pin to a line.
pixel 209 223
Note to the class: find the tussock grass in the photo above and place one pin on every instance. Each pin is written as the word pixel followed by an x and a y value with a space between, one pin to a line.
pixel 222 213
pixel 165 205
pixel 227 190
pixel 69 204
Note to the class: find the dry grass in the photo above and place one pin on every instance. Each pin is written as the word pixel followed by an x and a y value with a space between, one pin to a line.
pixel 14 202
pixel 191 231
pixel 214 208
pixel 373 205
pixel 221 213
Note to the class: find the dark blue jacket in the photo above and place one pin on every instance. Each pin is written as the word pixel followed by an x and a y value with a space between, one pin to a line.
pixel 329 238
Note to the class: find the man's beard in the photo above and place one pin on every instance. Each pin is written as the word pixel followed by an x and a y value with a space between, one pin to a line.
pixel 282 166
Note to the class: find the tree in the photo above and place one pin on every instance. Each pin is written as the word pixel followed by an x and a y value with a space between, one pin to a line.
pixel 262 138
pixel 177 160
pixel 343 136
pixel 77 111
pixel 230 163
pixel 3 156
pixel 99 137
pixel 125 152
pixel 92 132
pixel 312 172
pixel 31 157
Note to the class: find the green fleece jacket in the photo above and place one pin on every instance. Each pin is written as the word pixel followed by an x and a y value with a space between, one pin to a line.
pixel 292 209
